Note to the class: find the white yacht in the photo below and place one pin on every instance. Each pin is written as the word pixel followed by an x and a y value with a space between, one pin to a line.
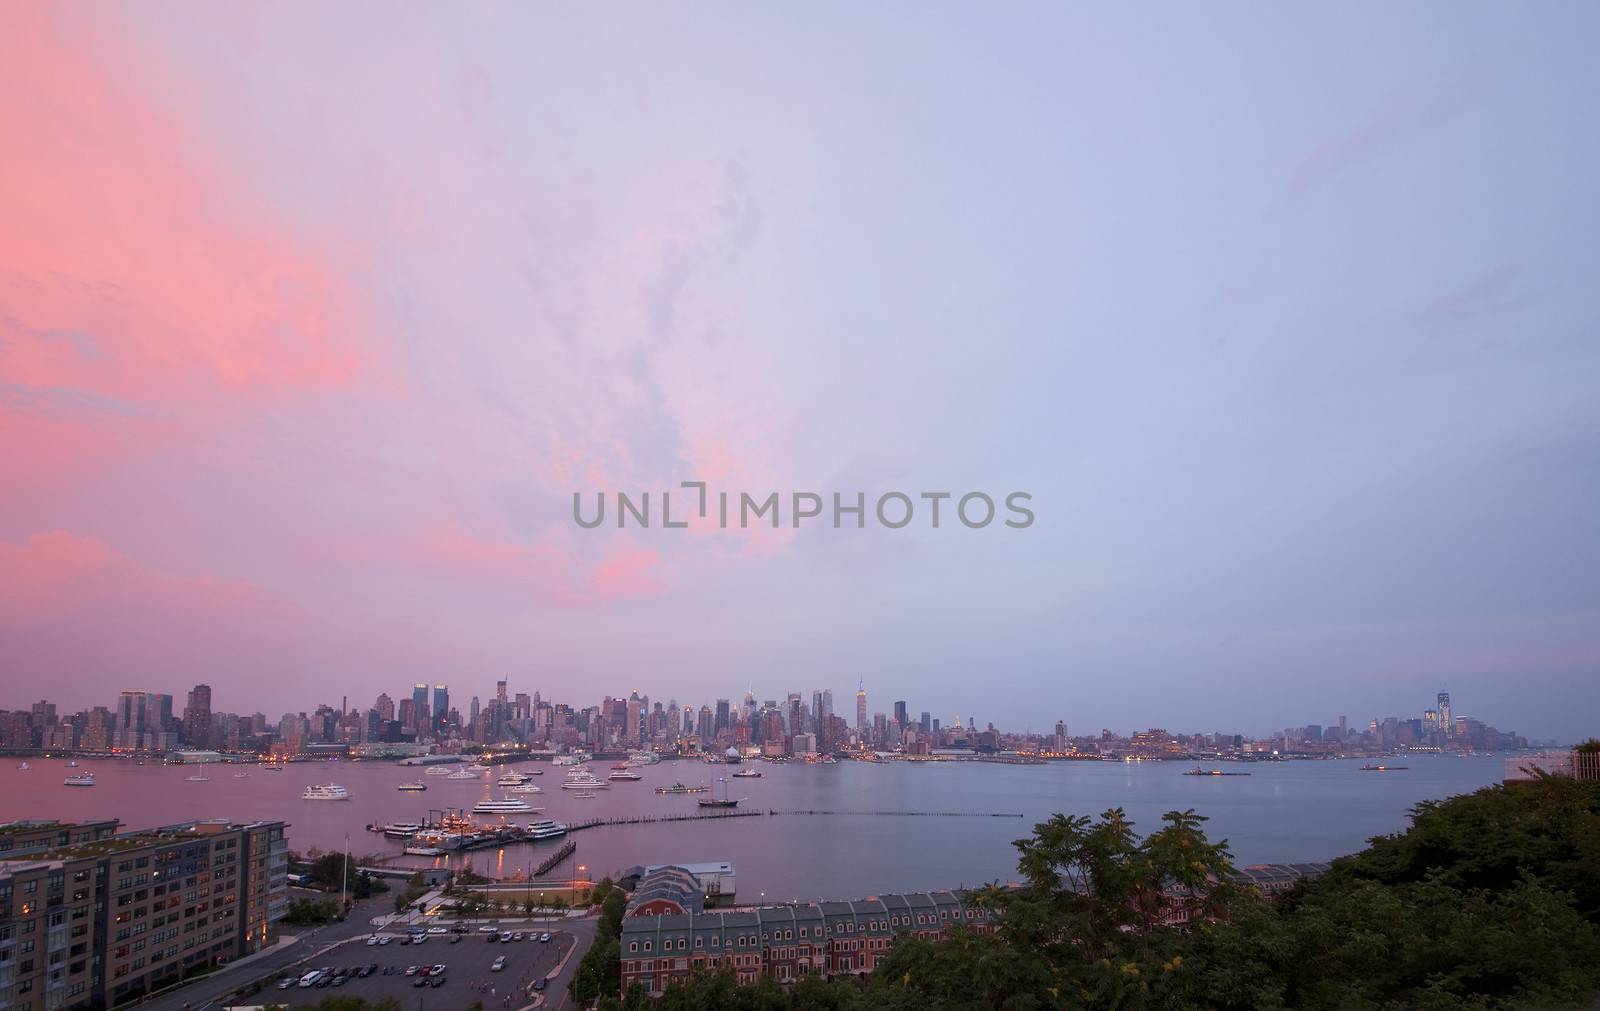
pixel 513 779
pixel 475 767
pixel 24 767
pixel 525 788
pixel 582 779
pixel 412 787
pixel 81 779
pixel 437 770
pixel 508 805
pixel 461 774
pixel 332 791
pixel 545 828
pixel 624 775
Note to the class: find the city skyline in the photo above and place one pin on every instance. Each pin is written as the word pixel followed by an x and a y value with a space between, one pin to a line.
pixel 1283 329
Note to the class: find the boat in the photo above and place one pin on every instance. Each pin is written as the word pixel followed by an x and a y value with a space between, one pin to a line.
pixel 24 767
pixel 460 774
pixel 624 775
pixel 1197 771
pixel 585 796
pixel 81 779
pixel 475 767
pixel 72 765
pixel 241 775
pixel 513 779
pixel 509 805
pixel 582 779
pixel 525 788
pixel 1383 768
pixel 724 802
pixel 402 829
pixel 423 851
pixel 747 774
pixel 680 788
pixel 545 828
pixel 199 777
pixel 412 787
pixel 437 770
pixel 332 791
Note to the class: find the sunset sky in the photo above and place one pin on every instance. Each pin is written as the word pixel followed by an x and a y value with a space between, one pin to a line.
pixel 313 318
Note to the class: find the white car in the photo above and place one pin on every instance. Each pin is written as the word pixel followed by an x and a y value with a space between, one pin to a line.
pixel 488 929
pixel 372 942
pixel 499 964
pixel 437 930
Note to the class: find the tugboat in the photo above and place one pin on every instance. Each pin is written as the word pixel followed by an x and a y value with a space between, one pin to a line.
pixel 724 802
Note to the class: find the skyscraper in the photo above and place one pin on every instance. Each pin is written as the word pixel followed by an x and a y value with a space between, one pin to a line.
pixel 197 717
pixel 900 713
pixel 441 706
pixel 1447 721
pixel 861 706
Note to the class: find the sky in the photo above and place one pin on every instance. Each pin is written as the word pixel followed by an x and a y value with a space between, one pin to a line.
pixel 314 317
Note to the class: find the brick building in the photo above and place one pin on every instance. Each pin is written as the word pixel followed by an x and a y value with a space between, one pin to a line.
pixel 785 942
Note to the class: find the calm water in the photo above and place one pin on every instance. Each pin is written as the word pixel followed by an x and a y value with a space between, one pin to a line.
pixel 1289 811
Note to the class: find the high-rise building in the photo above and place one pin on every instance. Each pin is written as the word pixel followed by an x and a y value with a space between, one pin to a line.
pixel 197 717
pixel 1447 720
pixel 722 717
pixel 861 707
pixel 900 713
pixel 441 706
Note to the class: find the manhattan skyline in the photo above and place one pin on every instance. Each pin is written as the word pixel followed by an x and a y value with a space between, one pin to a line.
pixel 310 329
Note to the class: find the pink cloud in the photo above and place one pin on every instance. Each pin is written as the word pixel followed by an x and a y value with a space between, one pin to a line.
pixel 551 573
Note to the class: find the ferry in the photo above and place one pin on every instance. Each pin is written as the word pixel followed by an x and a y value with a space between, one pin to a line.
pixel 1197 771
pixel 680 788
pixel 747 774
pixel 545 828
pixel 509 805
pixel 81 779
pixel 402 829
pixel 412 787
pixel 1383 768
pixel 437 770
pixel 582 779
pixel 332 791
pixel 624 775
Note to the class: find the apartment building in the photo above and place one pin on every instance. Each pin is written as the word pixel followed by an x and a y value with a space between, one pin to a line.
pixel 101 919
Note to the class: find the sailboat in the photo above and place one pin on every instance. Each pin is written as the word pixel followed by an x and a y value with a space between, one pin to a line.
pixel 199 777
pixel 724 802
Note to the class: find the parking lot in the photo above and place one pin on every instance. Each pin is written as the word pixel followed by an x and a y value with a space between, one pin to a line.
pixel 468 975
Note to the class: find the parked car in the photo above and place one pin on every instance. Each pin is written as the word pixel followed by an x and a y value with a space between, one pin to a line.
pixel 372 942
pixel 411 970
pixel 516 935
pixel 544 938
pixel 538 985
pixel 438 930
pixel 456 939
pixel 438 970
pixel 499 964
pixel 488 928
pixel 436 981
pixel 286 982
pixel 421 981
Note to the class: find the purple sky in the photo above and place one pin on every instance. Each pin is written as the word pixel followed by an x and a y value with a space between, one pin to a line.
pixel 313 317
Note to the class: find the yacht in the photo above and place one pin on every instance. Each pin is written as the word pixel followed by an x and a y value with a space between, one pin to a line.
pixel 525 788
pixel 475 767
pixel 332 791
pixel 437 770
pixel 81 779
pixel 747 773
pixel 508 805
pixel 586 795
pixel 582 779
pixel 513 779
pixel 461 774
pixel 412 787
pixel 624 775
pixel 24 767
pixel 681 788
pixel 545 828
